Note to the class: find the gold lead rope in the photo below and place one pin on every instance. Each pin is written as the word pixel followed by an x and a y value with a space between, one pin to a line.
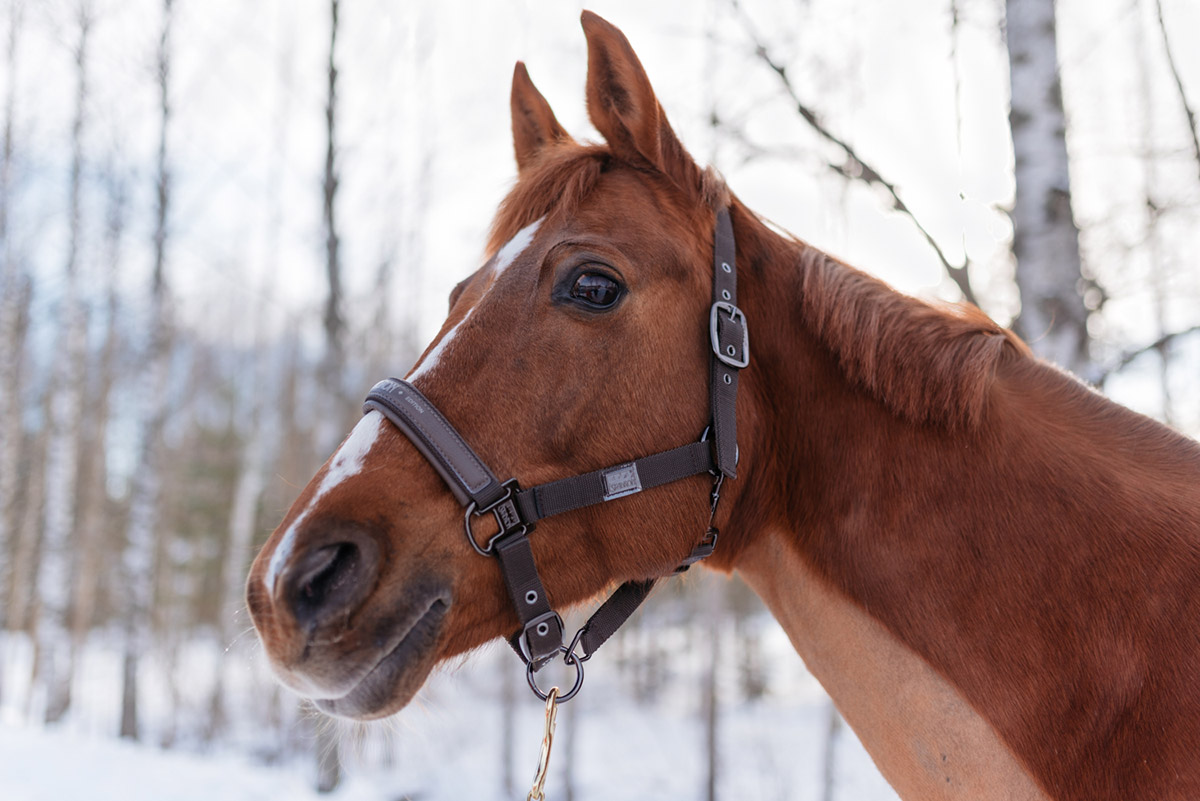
pixel 539 779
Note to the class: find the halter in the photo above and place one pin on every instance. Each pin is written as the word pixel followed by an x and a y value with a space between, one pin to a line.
pixel 517 510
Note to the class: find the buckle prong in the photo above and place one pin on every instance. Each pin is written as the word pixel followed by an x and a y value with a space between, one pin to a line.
pixel 734 315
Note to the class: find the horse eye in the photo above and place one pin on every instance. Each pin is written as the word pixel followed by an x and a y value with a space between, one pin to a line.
pixel 596 290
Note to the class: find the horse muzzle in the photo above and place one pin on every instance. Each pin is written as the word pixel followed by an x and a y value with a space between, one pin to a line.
pixel 337 632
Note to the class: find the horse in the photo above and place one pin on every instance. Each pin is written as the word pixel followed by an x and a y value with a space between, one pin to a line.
pixel 991 568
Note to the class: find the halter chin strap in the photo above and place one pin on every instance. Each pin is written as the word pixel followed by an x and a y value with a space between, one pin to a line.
pixel 516 510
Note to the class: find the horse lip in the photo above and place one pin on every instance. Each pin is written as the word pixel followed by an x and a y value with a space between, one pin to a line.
pixel 375 690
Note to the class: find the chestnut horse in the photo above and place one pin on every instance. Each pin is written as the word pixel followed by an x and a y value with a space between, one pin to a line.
pixel 993 570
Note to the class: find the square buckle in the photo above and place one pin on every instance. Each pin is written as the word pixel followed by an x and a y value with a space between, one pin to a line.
pixel 737 359
pixel 508 518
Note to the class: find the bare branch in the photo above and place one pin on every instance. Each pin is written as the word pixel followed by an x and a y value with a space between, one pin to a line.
pixel 1130 356
pixel 334 320
pixel 854 167
pixel 1187 109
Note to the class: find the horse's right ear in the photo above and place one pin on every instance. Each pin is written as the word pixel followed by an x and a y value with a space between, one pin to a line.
pixel 533 123
pixel 624 108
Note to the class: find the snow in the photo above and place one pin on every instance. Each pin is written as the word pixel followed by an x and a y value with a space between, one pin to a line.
pixel 52 765
pixel 628 743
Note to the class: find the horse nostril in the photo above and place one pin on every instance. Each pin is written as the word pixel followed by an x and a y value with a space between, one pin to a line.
pixel 328 581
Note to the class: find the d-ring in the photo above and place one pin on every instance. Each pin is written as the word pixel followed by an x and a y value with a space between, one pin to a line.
pixel 570 659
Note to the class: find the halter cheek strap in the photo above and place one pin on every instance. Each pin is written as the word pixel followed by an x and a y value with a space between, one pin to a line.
pixel 517 511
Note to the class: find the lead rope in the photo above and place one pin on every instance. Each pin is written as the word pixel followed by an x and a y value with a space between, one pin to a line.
pixel 539 778
pixel 552 700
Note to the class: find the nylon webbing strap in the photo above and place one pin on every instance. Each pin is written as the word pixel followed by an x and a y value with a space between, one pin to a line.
pixel 439 442
pixel 576 492
pixel 541 629
pixel 605 621
pixel 730 345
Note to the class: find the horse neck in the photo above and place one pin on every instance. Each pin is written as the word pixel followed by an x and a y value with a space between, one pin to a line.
pixel 944 582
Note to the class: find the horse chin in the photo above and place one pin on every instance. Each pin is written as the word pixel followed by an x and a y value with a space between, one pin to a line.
pixel 395 678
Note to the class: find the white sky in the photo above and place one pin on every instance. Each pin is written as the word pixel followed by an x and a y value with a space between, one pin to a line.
pixel 423 82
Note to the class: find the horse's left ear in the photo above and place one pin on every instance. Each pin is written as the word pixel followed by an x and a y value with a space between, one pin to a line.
pixel 623 107
pixel 533 122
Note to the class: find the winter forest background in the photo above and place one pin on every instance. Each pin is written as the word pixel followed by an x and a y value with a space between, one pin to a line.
pixel 222 221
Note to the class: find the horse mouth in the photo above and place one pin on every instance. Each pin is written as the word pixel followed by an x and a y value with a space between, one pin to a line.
pixel 397 676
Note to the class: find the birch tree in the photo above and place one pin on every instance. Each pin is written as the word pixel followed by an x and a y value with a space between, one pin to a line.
pixel 263 431
pixel 62 453
pixel 1153 212
pixel 1053 317
pixel 94 513
pixel 28 523
pixel 11 294
pixel 331 370
pixel 711 702
pixel 138 556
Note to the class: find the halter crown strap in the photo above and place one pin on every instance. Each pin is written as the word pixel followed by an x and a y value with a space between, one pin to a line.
pixel 730 341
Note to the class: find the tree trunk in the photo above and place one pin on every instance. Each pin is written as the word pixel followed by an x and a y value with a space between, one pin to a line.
pixel 138 558
pixel 329 427
pixel 251 480
pixel 1159 278
pixel 1053 318
pixel 329 763
pixel 95 512
pixel 28 527
pixel 829 768
pixel 508 725
pixel 62 454
pixel 712 740
pixel 11 344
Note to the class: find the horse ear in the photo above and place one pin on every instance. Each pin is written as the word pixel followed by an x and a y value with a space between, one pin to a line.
pixel 533 123
pixel 623 107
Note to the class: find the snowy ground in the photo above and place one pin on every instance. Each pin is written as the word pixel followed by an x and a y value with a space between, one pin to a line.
pixel 448 745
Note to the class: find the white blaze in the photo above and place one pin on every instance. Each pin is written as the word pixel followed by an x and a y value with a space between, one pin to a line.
pixel 347 462
pixel 515 247
pixel 435 355
pixel 504 259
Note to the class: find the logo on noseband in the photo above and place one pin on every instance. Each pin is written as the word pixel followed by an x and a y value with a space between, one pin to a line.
pixel 621 481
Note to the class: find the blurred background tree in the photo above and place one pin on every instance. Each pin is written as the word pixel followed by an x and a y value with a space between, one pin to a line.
pixel 220 222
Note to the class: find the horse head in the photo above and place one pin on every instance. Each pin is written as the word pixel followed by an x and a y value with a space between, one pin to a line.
pixel 580 343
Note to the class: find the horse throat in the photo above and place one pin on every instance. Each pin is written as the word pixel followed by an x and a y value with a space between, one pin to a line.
pixel 924 737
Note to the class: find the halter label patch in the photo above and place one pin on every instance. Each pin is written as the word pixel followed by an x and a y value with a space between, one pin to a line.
pixel 621 481
pixel 506 515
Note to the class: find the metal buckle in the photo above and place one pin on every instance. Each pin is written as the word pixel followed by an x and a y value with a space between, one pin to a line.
pixel 736 316
pixel 508 518
pixel 544 618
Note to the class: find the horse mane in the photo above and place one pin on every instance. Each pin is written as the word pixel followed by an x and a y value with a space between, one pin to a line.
pixel 927 363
